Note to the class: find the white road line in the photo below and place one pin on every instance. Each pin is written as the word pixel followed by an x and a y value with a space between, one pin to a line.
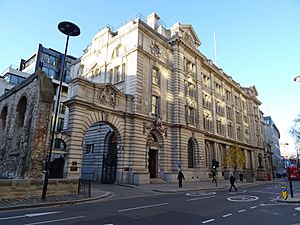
pixel 208 221
pixel 253 207
pixel 53 221
pixel 194 199
pixel 226 215
pixel 242 210
pixel 143 207
pixel 30 215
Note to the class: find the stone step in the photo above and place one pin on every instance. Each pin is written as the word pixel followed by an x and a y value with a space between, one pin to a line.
pixel 157 181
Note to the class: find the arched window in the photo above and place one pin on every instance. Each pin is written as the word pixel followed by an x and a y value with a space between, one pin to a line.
pixel 190 154
pixel 19 122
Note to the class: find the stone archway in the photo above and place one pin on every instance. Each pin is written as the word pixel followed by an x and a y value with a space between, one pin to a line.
pixel 100 149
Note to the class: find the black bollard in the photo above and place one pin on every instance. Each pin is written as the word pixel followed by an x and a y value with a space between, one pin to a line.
pixel 291 189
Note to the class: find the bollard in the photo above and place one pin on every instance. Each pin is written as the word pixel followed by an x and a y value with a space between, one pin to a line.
pixel 291 189
pixel 284 192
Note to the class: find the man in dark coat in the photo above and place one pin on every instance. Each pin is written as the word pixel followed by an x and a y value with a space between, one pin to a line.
pixel 232 180
pixel 180 176
pixel 214 175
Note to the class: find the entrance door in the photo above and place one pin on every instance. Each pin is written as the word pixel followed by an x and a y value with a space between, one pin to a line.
pixel 109 166
pixel 152 162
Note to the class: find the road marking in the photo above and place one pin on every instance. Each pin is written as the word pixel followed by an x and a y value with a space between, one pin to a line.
pixel 243 198
pixel 242 210
pixel 297 208
pixel 253 207
pixel 30 215
pixel 200 194
pixel 273 204
pixel 208 221
pixel 229 214
pixel 194 199
pixel 143 207
pixel 58 220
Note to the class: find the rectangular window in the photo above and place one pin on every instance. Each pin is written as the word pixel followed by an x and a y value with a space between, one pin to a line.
pixel 89 148
pixel 191 115
pixel 220 127
pixel 230 130
pixel 111 71
pixel 229 112
pixel 238 117
pixel 62 108
pixel 219 108
pixel 218 88
pixel 155 77
pixel 207 122
pixel 206 101
pixel 228 95
pixel 60 124
pixel 237 101
pixel 123 71
pixel 117 77
pixel 191 90
pixel 206 81
pixel 239 133
pixel 155 105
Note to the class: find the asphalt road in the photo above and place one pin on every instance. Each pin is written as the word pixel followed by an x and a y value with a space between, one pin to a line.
pixel 254 205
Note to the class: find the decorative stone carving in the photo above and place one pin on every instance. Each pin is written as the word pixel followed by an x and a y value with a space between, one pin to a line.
pixel 158 125
pixel 188 37
pixel 107 96
pixel 155 50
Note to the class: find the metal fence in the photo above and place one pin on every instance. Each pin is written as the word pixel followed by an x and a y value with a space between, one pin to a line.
pixel 85 187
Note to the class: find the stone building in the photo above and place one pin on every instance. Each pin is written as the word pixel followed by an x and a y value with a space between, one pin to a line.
pixel 145 102
pixel 25 113
pixel 272 136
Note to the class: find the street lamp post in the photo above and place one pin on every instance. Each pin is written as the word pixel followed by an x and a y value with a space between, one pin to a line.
pixel 69 29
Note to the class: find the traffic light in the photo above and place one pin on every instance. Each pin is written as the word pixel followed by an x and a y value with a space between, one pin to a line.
pixel 214 164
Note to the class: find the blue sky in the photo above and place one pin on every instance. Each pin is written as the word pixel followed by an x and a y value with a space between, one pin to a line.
pixel 258 42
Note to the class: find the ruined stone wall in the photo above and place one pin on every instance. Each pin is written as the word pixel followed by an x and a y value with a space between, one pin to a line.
pixel 26 129
pixel 18 189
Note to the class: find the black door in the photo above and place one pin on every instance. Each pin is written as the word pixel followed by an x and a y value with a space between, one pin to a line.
pixel 109 166
pixel 152 163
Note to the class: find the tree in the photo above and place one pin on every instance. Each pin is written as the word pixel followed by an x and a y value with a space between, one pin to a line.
pixel 235 157
pixel 295 130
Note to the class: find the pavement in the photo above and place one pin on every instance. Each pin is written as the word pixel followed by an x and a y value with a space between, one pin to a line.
pixel 99 193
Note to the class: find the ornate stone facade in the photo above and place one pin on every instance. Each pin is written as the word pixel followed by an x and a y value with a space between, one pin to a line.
pixel 24 124
pixel 166 106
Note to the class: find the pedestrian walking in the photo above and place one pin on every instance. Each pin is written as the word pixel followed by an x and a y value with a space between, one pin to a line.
pixel 241 176
pixel 232 180
pixel 180 176
pixel 214 180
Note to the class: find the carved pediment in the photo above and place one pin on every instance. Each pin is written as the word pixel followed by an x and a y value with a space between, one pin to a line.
pixel 190 36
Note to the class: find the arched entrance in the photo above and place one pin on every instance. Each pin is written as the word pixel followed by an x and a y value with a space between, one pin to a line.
pixel 100 153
